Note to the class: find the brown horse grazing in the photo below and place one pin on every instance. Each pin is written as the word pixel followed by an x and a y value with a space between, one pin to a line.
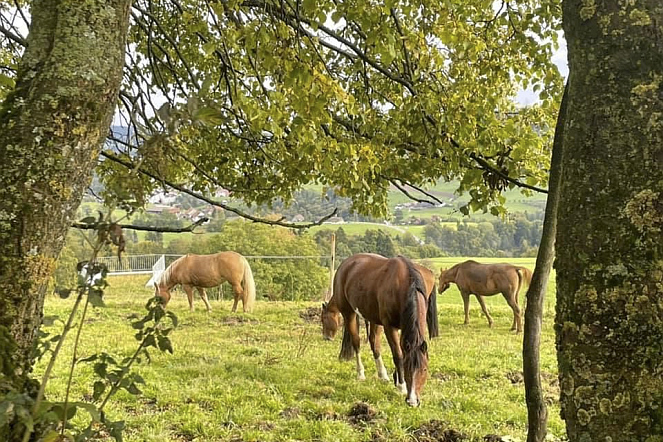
pixel 481 280
pixel 206 271
pixel 392 294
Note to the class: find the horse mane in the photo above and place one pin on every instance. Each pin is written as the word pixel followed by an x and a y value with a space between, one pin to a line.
pixel 164 278
pixel 413 342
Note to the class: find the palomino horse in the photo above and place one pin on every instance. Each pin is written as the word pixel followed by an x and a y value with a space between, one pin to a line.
pixel 481 280
pixel 392 293
pixel 206 271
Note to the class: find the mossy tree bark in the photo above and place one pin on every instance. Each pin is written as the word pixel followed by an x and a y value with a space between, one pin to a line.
pixel 52 127
pixel 609 323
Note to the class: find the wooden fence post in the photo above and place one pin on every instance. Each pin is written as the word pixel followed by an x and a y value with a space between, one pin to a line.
pixel 331 267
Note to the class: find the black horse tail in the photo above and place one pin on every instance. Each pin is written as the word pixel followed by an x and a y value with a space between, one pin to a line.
pixel 347 349
pixel 412 342
pixel 431 315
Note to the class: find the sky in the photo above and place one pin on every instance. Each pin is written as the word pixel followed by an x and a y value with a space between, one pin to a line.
pixel 559 57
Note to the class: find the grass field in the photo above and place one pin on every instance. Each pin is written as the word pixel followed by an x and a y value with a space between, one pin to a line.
pixel 270 376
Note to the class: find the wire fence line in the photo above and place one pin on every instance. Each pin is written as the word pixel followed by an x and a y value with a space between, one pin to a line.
pixel 142 264
pixel 156 264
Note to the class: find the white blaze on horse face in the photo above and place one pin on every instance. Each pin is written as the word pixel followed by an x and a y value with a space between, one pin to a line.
pixel 360 368
pixel 382 370
pixel 412 398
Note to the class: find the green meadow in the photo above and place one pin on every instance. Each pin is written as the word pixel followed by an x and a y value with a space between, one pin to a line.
pixel 269 375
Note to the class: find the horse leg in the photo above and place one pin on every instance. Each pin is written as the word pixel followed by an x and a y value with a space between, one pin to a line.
pixel 189 294
pixel 399 374
pixel 517 320
pixel 466 306
pixel 203 295
pixel 237 293
pixel 485 310
pixel 352 328
pixel 374 340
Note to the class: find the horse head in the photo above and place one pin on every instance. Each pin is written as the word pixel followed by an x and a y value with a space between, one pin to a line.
pixel 331 320
pixel 444 281
pixel 415 365
pixel 163 293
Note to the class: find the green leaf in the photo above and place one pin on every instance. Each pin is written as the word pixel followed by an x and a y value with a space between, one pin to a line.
pixel 133 389
pixel 99 388
pixel 49 320
pixel 90 358
pixel 95 298
pixel 149 341
pixel 209 47
pixel 209 116
pixel 165 344
pixel 58 409
pixel 100 369
pixel 63 293
pixel 173 318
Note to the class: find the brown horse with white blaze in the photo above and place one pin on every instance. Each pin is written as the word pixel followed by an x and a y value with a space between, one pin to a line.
pixel 481 280
pixel 207 271
pixel 391 294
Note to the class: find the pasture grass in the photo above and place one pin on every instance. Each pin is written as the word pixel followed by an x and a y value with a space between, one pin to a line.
pixel 270 376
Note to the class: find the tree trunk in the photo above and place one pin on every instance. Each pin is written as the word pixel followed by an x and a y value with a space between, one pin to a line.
pixel 609 323
pixel 51 130
pixel 537 413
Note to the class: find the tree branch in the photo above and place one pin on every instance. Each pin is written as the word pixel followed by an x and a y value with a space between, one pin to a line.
pixel 213 202
pixel 404 191
pixel 13 37
pixel 189 228
pixel 486 166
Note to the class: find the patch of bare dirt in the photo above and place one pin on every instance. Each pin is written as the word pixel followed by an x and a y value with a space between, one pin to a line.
pixel 183 435
pixel 361 413
pixel 377 436
pixel 549 383
pixel 238 320
pixel 311 314
pixel 290 413
pixel 444 377
pixel 327 415
pixel 152 405
pixel 266 426
pixel 437 431
pixel 203 405
pixel 516 377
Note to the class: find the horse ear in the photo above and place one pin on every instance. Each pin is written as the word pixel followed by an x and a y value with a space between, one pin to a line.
pixel 324 306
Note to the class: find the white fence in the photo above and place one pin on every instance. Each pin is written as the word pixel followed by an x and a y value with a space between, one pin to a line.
pixel 155 265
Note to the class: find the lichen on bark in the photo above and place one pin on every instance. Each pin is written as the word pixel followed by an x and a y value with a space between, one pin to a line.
pixel 51 130
pixel 609 323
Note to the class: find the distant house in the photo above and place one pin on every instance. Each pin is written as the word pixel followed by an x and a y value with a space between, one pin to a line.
pixel 221 193
pixel 158 209
pixel 166 198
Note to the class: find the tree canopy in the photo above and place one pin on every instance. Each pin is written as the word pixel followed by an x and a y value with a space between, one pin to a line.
pixel 260 97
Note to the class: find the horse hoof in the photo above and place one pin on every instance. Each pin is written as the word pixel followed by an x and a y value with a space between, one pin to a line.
pixel 361 377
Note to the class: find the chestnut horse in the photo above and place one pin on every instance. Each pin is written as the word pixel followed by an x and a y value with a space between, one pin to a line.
pixel 482 280
pixel 390 293
pixel 206 271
